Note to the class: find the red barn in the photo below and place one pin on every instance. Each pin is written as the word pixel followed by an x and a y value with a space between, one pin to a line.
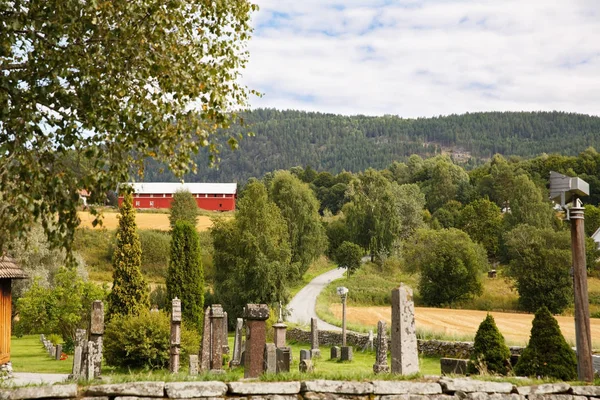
pixel 209 196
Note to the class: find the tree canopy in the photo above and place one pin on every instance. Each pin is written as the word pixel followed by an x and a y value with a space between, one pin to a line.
pixel 183 208
pixel 89 90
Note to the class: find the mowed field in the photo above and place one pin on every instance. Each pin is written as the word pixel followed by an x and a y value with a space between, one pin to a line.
pixel 158 221
pixel 515 327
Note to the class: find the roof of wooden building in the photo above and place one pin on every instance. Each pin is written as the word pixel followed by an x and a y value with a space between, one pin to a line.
pixel 9 269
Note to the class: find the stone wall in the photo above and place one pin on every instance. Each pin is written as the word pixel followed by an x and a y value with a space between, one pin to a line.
pixel 434 348
pixel 433 389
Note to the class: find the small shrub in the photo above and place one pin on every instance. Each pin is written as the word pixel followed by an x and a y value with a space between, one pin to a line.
pixel 547 354
pixel 490 352
pixel 142 341
pixel 158 297
pixel 54 339
pixel 155 252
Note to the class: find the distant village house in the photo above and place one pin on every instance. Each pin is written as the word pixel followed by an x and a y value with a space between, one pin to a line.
pixel 209 196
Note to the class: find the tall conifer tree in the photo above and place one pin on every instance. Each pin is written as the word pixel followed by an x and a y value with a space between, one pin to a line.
pixel 129 293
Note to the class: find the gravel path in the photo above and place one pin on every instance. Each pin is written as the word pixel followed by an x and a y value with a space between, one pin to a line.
pixel 302 306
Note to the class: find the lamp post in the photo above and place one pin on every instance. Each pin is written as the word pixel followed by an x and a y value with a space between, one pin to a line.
pixel 566 189
pixel 343 293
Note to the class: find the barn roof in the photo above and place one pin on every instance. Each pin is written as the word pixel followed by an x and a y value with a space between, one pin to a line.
pixel 9 269
pixel 194 188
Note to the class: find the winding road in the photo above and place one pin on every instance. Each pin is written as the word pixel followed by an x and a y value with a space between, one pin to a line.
pixel 302 306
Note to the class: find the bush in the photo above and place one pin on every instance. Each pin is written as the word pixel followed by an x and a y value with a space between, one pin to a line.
pixel 490 353
pixel 155 252
pixel 183 208
pixel 142 341
pixel 547 354
pixel 158 297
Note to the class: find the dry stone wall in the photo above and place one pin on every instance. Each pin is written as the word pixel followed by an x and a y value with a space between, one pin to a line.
pixel 433 389
pixel 439 348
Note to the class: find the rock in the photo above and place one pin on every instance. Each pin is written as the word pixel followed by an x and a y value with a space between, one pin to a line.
pixel 470 386
pixel 274 397
pixel 403 397
pixel 453 366
pixel 341 387
pixel 406 387
pixel 139 389
pixel 546 388
pixel 186 390
pixel 39 392
pixel 586 390
pixel 332 396
pixel 275 388
pixel 550 397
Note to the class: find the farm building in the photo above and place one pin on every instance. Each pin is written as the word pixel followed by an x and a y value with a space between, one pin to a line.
pixel 209 196
pixel 8 271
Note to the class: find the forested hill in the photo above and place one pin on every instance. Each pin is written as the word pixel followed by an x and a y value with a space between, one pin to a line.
pixel 333 143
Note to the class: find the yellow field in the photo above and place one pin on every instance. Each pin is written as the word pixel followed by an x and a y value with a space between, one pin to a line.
pixel 144 221
pixel 515 327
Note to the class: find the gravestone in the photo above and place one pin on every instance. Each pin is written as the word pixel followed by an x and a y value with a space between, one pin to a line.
pixel 279 333
pixel 205 348
pixel 256 337
pixel 381 364
pixel 314 339
pixel 175 339
pixel 304 354
pixel 335 352
pixel 369 344
pixel 453 366
pixel 225 333
pixel 405 359
pixel 96 332
pixel 216 337
pixel 193 364
pixel 58 351
pixel 283 356
pixel 347 354
pixel 237 343
pixel 78 354
pixel 270 358
pixel 306 366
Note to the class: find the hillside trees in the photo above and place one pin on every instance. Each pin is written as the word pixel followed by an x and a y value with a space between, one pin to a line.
pixel 185 275
pixel 183 208
pixel 252 253
pixel 349 256
pixel 300 209
pixel 129 294
pixel 482 220
pixel 449 263
pixel 111 83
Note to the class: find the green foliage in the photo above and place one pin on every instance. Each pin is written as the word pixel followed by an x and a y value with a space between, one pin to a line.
pixel 185 277
pixel 300 209
pixel 337 232
pixel 158 298
pixel 129 294
pixel 142 341
pixel 349 256
pixel 440 181
pixel 60 309
pixel 448 216
pixel 449 263
pixel 592 219
pixel 540 260
pixel 155 252
pixel 482 220
pixel 183 208
pixel 547 354
pixel 81 108
pixel 527 205
pixel 252 253
pixel 490 352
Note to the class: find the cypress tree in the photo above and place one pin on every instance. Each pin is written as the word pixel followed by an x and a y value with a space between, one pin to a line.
pixel 489 349
pixel 129 293
pixel 185 275
pixel 547 354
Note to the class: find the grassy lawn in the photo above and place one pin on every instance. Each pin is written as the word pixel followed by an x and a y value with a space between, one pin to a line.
pixel 28 355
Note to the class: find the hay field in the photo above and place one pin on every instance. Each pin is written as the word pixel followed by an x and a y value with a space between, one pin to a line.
pixel 156 221
pixel 449 322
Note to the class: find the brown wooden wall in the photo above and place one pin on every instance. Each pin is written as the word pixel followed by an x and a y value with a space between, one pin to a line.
pixel 5 320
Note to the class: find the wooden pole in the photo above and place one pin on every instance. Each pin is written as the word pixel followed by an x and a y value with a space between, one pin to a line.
pixel 585 370
pixel 344 320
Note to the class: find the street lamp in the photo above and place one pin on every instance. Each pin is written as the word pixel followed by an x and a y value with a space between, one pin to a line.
pixel 565 189
pixel 343 293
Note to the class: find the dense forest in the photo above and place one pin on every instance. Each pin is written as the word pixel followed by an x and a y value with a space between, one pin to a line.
pixel 327 142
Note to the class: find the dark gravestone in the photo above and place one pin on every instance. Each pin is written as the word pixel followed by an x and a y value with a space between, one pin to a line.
pixel 453 366
pixel 347 354
pixel 335 352
pixel 283 359
pixel 304 355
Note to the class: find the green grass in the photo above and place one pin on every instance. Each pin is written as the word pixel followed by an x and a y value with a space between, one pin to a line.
pixel 28 355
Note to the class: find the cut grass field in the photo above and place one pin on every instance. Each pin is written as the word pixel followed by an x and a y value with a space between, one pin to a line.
pixel 156 221
pixel 28 355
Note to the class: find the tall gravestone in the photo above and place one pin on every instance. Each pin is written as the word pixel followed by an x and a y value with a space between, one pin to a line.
pixel 270 358
pixel 225 329
pixel 96 332
pixel 237 343
pixel 381 364
pixel 283 359
pixel 205 347
pixel 216 337
pixel 405 359
pixel 256 337
pixel 314 339
pixel 175 340
pixel 79 354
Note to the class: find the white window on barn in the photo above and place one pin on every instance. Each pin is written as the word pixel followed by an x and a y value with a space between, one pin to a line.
pixel 137 203
pixel 151 204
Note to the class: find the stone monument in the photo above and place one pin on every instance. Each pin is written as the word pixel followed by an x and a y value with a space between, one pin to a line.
pixel 405 359
pixel 381 364
pixel 256 337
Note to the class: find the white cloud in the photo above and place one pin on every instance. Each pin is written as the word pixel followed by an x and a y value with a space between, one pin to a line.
pixel 425 58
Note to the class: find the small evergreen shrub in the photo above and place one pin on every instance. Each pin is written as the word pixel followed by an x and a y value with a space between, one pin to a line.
pixel 490 353
pixel 547 354
pixel 142 341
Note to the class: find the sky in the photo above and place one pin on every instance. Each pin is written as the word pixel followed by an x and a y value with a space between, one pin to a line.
pixel 426 58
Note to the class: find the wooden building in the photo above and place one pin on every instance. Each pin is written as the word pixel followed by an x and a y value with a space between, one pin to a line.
pixel 209 196
pixel 8 271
